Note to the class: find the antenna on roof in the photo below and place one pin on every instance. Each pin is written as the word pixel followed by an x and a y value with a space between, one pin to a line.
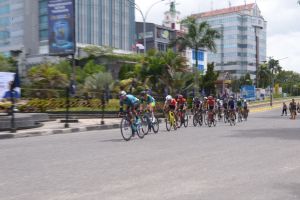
pixel 211 5
pixel 245 2
pixel 229 3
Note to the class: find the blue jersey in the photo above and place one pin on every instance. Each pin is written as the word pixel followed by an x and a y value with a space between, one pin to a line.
pixel 130 100
pixel 231 104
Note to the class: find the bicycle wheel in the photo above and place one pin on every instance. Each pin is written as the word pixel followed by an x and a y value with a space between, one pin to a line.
pixel 200 119
pixel 240 117
pixel 232 120
pixel 126 130
pixel 145 124
pixel 214 121
pixel 186 120
pixel 168 123
pixel 155 125
pixel 205 118
pixel 139 128
pixel 195 119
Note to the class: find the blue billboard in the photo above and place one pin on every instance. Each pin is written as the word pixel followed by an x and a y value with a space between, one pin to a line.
pixel 61 27
pixel 248 92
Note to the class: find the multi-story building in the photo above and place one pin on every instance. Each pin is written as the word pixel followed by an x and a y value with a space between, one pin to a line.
pixel 242 45
pixel 157 36
pixel 24 24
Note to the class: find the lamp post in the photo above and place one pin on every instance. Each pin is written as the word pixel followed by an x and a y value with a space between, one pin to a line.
pixel 144 16
pixel 257 51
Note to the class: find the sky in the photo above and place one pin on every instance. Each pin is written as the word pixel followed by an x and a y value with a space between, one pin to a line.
pixel 282 16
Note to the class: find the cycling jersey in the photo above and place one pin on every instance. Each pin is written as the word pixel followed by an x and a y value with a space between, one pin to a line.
pixel 130 100
pixel 239 104
pixel 181 101
pixel 171 104
pixel 149 99
pixel 231 104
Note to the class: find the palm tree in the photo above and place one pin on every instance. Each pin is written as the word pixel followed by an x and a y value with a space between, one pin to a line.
pixel 264 75
pixel 99 82
pixel 198 36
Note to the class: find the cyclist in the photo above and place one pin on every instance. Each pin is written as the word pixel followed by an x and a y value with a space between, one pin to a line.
pixel 211 106
pixel 231 106
pixel 132 103
pixel 197 104
pixel 150 101
pixel 239 105
pixel 219 108
pixel 170 105
pixel 181 102
pixel 204 104
pixel 245 106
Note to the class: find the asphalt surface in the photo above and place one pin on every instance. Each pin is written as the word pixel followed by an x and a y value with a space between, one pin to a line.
pixel 255 160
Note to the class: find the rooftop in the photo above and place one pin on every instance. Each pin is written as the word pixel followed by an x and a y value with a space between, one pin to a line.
pixel 232 9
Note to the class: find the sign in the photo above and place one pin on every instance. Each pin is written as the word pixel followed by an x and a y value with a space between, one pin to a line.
pixel 5 79
pixel 61 27
pixel 148 35
pixel 248 92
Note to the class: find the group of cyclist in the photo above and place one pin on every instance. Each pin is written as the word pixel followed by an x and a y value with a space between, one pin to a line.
pixel 216 107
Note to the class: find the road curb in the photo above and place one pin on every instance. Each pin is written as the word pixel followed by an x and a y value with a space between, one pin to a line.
pixel 58 131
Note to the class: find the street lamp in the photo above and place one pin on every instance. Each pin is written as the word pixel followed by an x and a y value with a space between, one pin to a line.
pixel 144 18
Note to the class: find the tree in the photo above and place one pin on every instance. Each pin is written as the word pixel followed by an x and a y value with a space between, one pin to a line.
pixel 99 82
pixel 198 36
pixel 209 80
pixel 6 64
pixel 264 74
pixel 97 50
pixel 47 78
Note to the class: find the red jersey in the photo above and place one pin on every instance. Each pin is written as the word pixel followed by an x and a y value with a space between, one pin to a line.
pixel 181 101
pixel 211 102
pixel 172 103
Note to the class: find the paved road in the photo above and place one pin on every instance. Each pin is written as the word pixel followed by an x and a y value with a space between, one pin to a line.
pixel 256 160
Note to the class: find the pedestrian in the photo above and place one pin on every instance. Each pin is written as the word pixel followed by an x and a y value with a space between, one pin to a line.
pixel 284 108
pixel 293 109
pixel 298 107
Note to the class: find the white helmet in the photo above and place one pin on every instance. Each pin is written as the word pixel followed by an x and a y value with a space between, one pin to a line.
pixel 245 100
pixel 205 98
pixel 169 97
pixel 122 93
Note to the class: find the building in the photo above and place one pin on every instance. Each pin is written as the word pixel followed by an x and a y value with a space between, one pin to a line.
pixel 172 17
pixel 157 36
pixel 243 43
pixel 24 25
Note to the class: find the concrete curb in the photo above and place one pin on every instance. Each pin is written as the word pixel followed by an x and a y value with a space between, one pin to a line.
pixel 57 131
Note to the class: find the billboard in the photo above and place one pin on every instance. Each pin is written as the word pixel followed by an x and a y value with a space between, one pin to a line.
pixel 248 92
pixel 61 27
pixel 5 79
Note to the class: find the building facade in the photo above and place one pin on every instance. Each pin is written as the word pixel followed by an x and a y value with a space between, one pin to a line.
pixel 172 17
pixel 24 24
pixel 157 37
pixel 242 45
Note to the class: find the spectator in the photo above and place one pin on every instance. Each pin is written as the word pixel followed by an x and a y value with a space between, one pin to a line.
pixel 284 108
pixel 293 109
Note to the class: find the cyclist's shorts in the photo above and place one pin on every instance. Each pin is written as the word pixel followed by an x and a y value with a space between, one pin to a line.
pixel 211 107
pixel 171 107
pixel 181 107
pixel 152 104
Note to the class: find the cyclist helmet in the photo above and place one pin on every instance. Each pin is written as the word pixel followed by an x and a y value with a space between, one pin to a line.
pixel 123 93
pixel 168 98
pixel 196 99
pixel 205 98
pixel 180 96
pixel 143 93
pixel 245 100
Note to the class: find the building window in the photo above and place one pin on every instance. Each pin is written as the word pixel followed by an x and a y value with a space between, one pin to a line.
pixel 200 55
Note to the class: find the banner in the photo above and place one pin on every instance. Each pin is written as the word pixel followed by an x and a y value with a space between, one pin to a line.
pixel 61 27
pixel 5 79
pixel 248 92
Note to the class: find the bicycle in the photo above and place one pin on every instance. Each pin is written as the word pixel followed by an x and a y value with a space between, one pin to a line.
pixel 129 127
pixel 246 113
pixel 232 118
pixel 198 118
pixel 226 116
pixel 183 117
pixel 240 115
pixel 152 123
pixel 171 121
pixel 211 119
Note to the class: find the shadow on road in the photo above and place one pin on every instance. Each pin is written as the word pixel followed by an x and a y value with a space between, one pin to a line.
pixel 283 133
pixel 293 188
pixel 113 140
